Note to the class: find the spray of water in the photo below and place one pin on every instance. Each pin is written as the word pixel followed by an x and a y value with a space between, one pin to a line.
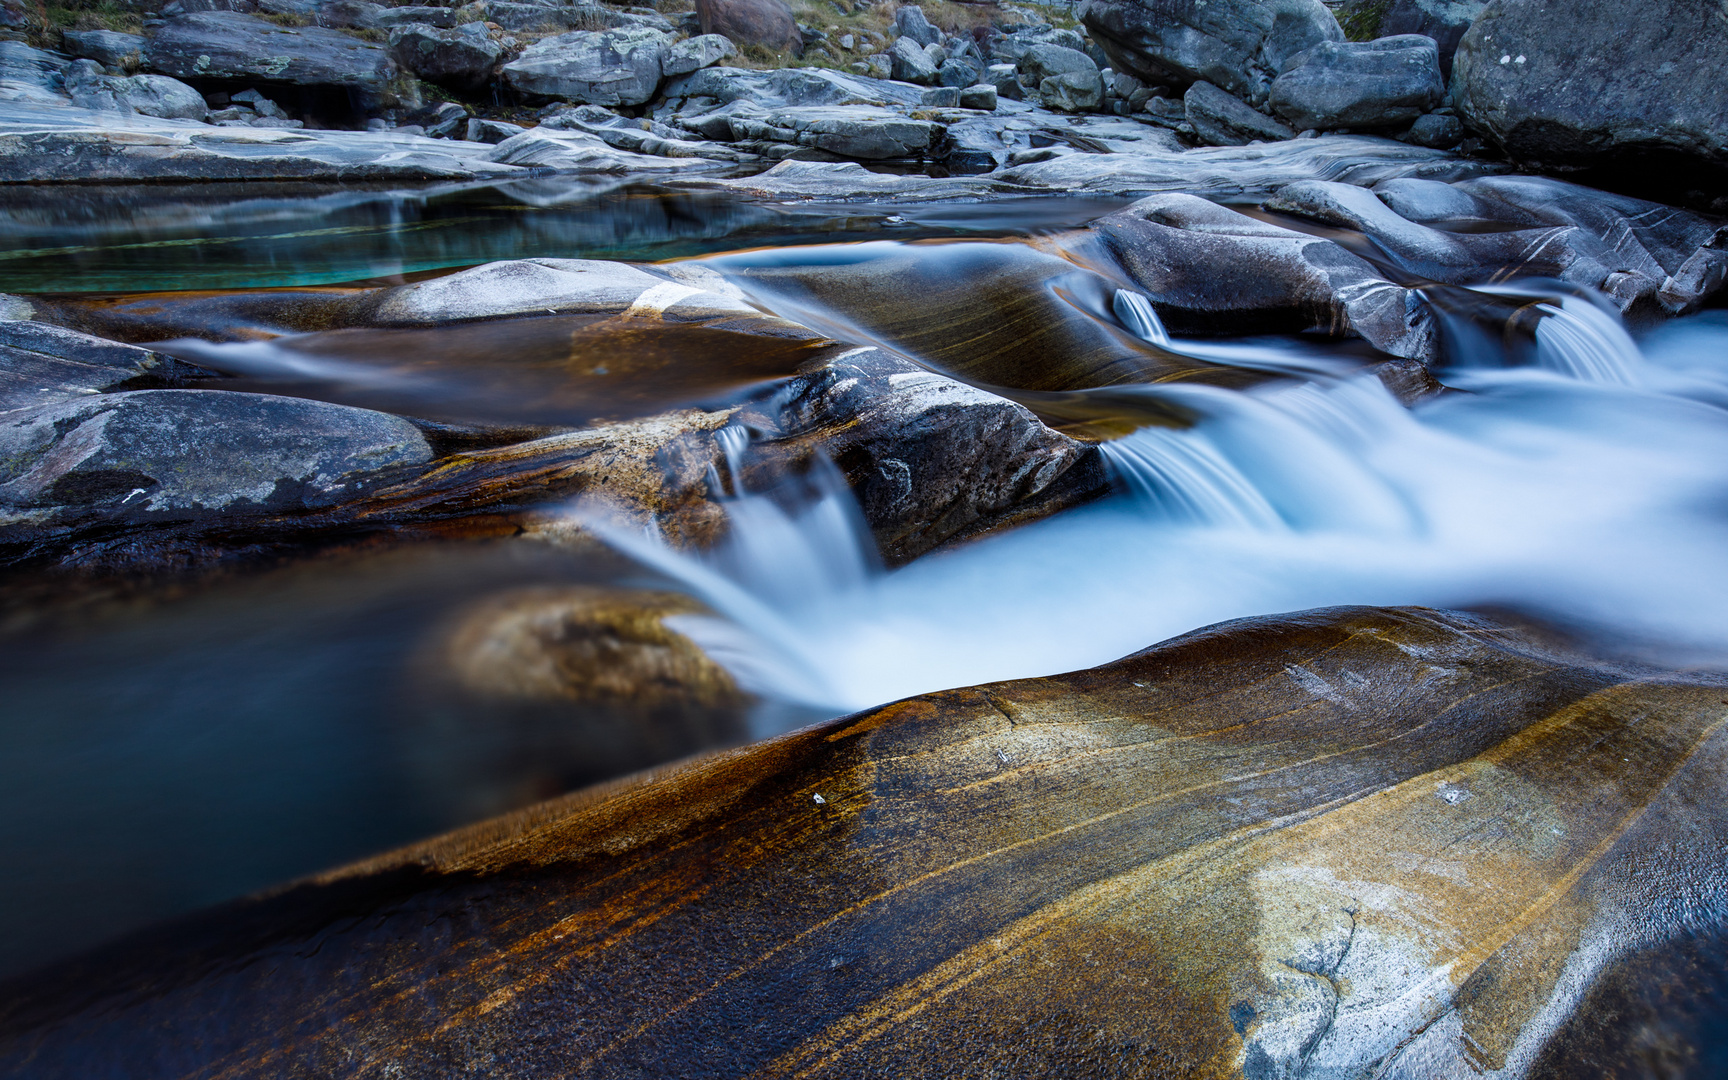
pixel 1586 487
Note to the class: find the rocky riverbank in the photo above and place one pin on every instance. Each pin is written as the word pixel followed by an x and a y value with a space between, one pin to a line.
pixel 494 87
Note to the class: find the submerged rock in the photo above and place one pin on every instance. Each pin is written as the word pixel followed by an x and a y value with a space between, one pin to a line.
pixel 1355 837
pixel 1646 258
pixel 1374 84
pixel 1633 87
pixel 1208 269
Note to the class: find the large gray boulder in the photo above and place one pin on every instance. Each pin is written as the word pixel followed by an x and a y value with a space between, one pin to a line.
pixel 910 63
pixel 148 95
pixel 768 23
pixel 1443 20
pixel 1221 119
pixel 231 47
pixel 909 22
pixel 1367 84
pixel 178 453
pixel 694 54
pixel 110 48
pixel 608 67
pixel 1601 83
pixel 463 58
pixel 1236 44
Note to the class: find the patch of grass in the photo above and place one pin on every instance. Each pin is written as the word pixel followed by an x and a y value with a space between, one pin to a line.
pixel 50 21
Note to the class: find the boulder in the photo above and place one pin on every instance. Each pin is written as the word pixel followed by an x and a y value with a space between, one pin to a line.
pixel 463 58
pixel 959 73
pixel 579 152
pixel 782 87
pixel 494 132
pixel 110 48
pixel 1634 88
pixel 1072 92
pixel 1222 119
pixel 609 67
pixel 864 132
pixel 1644 257
pixel 1437 130
pixel 911 63
pixel 224 46
pixel 1382 839
pixel 982 96
pixel 693 54
pixel 909 22
pixel 547 18
pixel 1010 48
pixel 1370 84
pixel 1443 20
pixel 1235 44
pixel 148 95
pixel 30 75
pixel 169 454
pixel 41 363
pixel 768 23
pixel 1208 269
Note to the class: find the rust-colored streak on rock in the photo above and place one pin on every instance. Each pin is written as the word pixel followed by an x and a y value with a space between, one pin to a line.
pixel 1313 841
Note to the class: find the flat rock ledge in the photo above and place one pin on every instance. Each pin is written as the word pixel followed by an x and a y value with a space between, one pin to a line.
pixel 1349 839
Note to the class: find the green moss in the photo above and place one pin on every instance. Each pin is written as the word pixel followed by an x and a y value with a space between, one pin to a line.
pixel 1361 20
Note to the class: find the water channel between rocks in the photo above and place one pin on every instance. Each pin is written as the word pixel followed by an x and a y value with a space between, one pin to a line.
pixel 164 752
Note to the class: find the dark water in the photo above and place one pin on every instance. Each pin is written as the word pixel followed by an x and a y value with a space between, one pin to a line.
pixel 92 238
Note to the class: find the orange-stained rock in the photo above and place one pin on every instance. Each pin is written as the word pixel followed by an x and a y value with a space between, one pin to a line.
pixel 768 23
pixel 1350 842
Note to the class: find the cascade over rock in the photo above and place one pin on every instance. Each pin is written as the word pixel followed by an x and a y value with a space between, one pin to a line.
pixel 1351 837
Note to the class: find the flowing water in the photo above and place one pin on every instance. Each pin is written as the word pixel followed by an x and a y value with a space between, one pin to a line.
pixel 169 752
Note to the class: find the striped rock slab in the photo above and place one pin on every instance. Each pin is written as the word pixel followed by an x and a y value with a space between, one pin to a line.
pixel 1346 843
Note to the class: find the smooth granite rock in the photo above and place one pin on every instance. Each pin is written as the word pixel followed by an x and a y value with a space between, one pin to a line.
pixel 147 95
pixel 181 453
pixel 608 67
pixel 1612 84
pixel 110 48
pixel 1374 84
pixel 41 363
pixel 1234 44
pixel 30 76
pixel 463 58
pixel 1208 269
pixel 1222 119
pixel 229 46
pixel 1370 839
pixel 693 54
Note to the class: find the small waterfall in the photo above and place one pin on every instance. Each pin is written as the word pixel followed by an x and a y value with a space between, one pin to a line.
pixel 1138 315
pixel 1562 492
pixel 1584 340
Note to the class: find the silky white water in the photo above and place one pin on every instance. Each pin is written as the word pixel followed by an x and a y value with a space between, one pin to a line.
pixel 1589 488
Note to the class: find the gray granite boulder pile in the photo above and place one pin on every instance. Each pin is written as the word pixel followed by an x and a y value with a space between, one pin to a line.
pixel 226 46
pixel 1238 45
pixel 1222 119
pixel 1368 84
pixel 609 67
pixel 1064 79
pixel 1604 83
pixel 463 58
pixel 911 23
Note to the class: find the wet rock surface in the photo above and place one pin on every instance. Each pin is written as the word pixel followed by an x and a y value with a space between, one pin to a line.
pixel 1351 837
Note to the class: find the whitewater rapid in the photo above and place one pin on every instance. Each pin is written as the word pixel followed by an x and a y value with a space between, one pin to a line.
pixel 1588 488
